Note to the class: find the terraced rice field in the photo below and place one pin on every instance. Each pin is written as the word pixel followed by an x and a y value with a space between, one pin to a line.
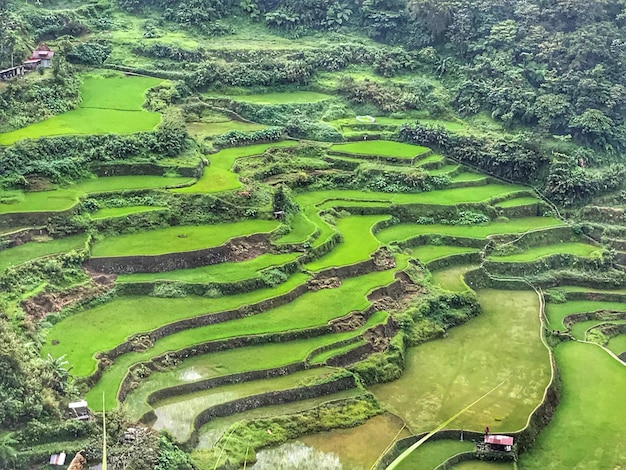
pixel 37 249
pixel 178 239
pixel 218 175
pixel 382 148
pixel 508 327
pixel 321 323
pixel 583 250
pixel 357 245
pixel 434 453
pixel 109 105
pixel 293 97
pixel 111 212
pixel 223 272
pixel 617 344
pixel 67 197
pixel 405 231
pixel 590 414
pixel 556 312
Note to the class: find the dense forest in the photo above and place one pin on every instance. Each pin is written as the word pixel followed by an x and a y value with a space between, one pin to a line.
pixel 543 82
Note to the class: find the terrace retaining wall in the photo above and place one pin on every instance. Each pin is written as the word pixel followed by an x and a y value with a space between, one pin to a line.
pixel 600 315
pixel 597 296
pixel 546 263
pixel 32 219
pixel 19 237
pixel 141 169
pixel 215 382
pixel 174 261
pixel 266 399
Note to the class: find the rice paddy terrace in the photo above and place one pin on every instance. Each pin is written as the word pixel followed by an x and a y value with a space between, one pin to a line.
pixel 291 290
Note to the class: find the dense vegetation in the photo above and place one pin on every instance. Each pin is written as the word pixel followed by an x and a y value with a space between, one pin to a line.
pixel 282 198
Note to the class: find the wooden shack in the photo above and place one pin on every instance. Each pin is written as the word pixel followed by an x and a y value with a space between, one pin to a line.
pixel 12 72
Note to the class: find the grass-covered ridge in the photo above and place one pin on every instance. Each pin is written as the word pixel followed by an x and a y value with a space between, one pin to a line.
pixel 178 239
pixel 109 105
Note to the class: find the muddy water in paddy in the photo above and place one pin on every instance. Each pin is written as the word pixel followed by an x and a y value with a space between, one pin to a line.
pixel 346 449
pixel 452 278
pixel 444 376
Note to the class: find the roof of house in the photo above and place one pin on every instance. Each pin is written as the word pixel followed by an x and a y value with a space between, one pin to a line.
pixel 499 440
pixel 39 54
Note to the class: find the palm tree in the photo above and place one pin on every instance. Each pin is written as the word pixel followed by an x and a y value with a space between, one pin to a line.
pixel 8 454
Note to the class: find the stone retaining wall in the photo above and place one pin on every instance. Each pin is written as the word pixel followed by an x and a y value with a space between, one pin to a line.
pixel 174 261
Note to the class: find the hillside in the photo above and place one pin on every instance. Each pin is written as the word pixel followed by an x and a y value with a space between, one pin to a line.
pixel 297 233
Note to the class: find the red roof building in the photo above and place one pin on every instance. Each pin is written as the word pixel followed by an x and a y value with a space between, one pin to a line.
pixel 499 442
pixel 41 56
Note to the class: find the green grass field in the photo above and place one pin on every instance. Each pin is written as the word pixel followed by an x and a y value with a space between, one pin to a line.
pixel 357 245
pixel 402 232
pixel 201 130
pixel 111 212
pixel 177 413
pixel 435 158
pixel 178 239
pixel 444 197
pixel 466 177
pixel 451 279
pixel 580 329
pixel 572 248
pixel 301 229
pixel 109 105
pixel 587 430
pixel 309 310
pixel 617 344
pixel 223 272
pixel 428 253
pixel 146 313
pixel 556 312
pixel 288 97
pixel 36 249
pixel 348 444
pixel 383 148
pixel 116 92
pixel 520 201
pixel 433 453
pixel 66 197
pixel 218 175
pixel 234 361
pixel 507 328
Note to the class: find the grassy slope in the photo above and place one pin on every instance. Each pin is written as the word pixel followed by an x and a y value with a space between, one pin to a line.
pixel 427 253
pixel 357 245
pixel 384 148
pixel 309 310
pixel 292 97
pixel 32 250
pixel 301 229
pixel 520 201
pixel 109 105
pixel 556 312
pixel 587 430
pixel 178 239
pixel 533 254
pixel 617 344
pixel 404 231
pixel 122 211
pixel 232 361
pixel 444 197
pixel 433 453
pixel 501 344
pixel 66 197
pixel 146 313
pixel 218 175
pixel 177 413
pixel 223 272
pixel 451 279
